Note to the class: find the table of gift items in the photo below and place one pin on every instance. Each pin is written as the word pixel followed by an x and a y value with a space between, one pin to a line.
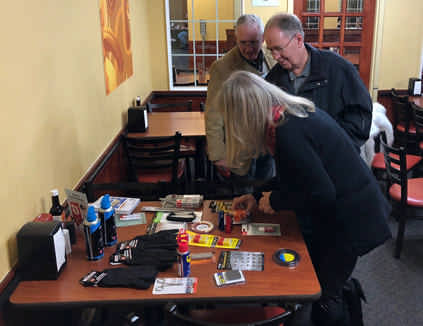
pixel 179 248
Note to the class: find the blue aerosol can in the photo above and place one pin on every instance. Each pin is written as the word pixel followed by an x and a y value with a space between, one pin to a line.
pixel 107 218
pixel 184 255
pixel 93 235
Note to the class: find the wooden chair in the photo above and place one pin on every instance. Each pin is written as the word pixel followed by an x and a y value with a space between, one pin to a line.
pixel 154 160
pixel 379 167
pixel 169 107
pixel 406 192
pixel 230 315
pixel 418 122
pixel 404 128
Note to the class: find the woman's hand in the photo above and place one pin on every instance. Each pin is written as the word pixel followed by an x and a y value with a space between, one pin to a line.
pixel 247 202
pixel 264 204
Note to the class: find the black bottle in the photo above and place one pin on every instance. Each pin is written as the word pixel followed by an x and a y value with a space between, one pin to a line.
pixel 107 218
pixel 56 209
pixel 93 231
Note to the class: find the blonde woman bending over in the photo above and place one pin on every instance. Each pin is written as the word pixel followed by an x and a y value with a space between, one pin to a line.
pixel 320 175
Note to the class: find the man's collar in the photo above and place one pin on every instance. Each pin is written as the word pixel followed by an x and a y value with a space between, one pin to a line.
pixel 306 70
pixel 316 71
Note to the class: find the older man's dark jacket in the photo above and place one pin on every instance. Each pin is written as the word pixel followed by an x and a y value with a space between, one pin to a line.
pixel 335 86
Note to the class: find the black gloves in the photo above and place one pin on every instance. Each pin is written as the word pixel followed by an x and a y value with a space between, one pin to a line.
pixel 162 259
pixel 158 249
pixel 138 277
pixel 148 254
pixel 164 240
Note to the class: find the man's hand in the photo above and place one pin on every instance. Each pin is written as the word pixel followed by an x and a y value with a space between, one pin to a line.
pixel 222 168
pixel 247 202
pixel 221 163
pixel 264 204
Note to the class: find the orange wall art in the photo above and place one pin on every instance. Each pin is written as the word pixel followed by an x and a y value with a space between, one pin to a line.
pixel 114 15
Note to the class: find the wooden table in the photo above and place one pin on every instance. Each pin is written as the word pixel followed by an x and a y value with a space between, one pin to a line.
pixel 164 124
pixel 274 284
pixel 190 125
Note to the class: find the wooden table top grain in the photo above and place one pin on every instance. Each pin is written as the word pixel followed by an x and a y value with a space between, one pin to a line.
pixel 164 124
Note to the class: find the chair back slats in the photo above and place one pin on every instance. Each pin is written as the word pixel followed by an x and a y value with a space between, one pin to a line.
pixel 396 166
pixel 153 154
pixel 170 107
pixel 401 109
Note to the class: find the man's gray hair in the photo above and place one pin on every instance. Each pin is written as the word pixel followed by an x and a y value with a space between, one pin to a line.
pixel 250 19
pixel 287 23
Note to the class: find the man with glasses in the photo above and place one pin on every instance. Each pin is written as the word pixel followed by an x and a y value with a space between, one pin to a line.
pixel 322 76
pixel 247 55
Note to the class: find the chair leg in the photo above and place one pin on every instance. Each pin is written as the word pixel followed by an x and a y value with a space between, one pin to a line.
pixel 400 234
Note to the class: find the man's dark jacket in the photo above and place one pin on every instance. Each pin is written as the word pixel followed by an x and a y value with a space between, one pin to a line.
pixel 335 86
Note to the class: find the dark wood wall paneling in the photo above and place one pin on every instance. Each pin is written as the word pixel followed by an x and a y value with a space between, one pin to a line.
pixel 197 97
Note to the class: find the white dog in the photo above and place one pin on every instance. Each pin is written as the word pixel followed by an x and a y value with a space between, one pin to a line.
pixel 380 122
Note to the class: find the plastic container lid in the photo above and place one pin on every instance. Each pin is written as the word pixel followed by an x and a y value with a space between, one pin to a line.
pixel 91 215
pixel 54 192
pixel 105 201
pixel 286 257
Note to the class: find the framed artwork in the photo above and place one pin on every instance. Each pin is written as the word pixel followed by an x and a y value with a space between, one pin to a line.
pixel 116 36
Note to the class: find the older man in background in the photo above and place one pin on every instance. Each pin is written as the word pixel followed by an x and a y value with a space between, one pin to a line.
pixel 247 55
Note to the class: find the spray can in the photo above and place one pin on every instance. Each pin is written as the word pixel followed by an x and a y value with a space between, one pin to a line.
pixel 107 218
pixel 93 235
pixel 184 255
pixel 221 216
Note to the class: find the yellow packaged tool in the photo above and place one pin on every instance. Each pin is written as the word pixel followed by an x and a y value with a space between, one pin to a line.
pixel 213 241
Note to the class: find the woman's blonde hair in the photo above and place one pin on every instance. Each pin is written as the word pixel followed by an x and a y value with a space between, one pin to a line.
pixel 246 101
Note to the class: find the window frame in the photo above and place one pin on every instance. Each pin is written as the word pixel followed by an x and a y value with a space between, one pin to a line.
pixel 194 40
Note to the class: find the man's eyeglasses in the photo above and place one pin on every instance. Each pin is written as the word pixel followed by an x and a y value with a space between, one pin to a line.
pixel 281 49
pixel 255 43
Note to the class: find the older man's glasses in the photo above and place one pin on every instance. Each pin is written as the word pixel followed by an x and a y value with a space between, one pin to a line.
pixel 251 44
pixel 281 49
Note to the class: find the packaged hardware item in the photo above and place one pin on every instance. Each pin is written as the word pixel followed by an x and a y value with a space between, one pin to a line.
pixel 182 201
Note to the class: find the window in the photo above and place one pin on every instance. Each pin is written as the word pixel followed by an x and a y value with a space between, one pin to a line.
pixel 312 23
pixel 313 5
pixel 199 32
pixel 354 5
pixel 353 22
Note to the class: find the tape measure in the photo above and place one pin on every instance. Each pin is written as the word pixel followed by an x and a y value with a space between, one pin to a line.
pixel 286 257
pixel 202 227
